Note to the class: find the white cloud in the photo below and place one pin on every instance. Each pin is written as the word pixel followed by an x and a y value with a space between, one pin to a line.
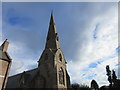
pixel 60 1
pixel 118 71
pixel 100 49
pixel 0 22
pixel 16 67
pixel 20 59
pixel 19 66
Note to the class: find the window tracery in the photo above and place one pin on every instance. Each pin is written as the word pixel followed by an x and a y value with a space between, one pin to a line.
pixel 61 76
pixel 60 57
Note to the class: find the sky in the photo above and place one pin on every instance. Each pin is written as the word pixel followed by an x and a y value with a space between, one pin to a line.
pixel 88 35
pixel 60 0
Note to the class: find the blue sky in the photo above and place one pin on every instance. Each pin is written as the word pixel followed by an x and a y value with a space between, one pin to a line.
pixel 88 36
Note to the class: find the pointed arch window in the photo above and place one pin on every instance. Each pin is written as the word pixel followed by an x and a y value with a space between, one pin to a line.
pixel 60 57
pixel 61 76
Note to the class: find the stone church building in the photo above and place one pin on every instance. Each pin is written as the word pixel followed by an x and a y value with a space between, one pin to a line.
pixel 51 71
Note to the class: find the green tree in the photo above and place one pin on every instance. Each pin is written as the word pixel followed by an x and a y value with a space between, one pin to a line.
pixel 94 85
pixel 112 78
pixel 109 75
pixel 77 86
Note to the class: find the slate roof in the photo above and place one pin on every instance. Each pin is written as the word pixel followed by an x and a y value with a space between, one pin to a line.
pixel 14 81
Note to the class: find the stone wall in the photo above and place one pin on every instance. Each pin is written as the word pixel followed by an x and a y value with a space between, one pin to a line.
pixel 3 71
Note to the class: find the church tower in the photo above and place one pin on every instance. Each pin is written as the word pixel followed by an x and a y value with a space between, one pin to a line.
pixel 52 64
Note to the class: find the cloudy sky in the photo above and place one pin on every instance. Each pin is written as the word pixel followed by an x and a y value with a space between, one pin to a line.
pixel 88 35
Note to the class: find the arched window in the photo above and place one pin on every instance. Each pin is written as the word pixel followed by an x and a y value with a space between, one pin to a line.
pixel 60 57
pixel 46 56
pixel 61 76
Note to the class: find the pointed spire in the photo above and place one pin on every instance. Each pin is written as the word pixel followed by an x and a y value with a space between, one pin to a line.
pixel 52 37
pixel 52 22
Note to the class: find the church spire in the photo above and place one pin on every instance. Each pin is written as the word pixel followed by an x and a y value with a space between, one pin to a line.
pixel 52 19
pixel 52 37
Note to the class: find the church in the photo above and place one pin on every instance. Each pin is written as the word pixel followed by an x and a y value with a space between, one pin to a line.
pixel 51 71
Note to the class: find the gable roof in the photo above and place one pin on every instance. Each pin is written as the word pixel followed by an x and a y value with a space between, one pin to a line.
pixel 14 81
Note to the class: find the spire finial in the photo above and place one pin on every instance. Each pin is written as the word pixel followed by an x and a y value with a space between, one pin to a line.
pixel 51 12
pixel 52 18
